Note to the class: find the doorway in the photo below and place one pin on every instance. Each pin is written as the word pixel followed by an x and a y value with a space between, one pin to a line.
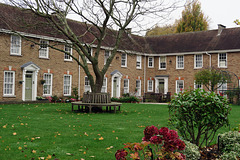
pixel 28 87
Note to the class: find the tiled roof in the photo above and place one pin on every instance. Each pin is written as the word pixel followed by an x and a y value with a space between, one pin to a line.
pixel 12 18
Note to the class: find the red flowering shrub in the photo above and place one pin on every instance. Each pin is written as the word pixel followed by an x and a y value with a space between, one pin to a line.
pixel 157 144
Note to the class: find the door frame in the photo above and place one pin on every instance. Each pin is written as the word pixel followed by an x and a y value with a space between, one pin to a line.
pixel 30 66
pixel 116 74
pixel 165 78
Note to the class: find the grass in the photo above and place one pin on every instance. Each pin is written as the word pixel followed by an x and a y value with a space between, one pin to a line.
pixel 52 131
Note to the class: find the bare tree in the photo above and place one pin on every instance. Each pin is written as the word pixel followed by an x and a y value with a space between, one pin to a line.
pixel 100 19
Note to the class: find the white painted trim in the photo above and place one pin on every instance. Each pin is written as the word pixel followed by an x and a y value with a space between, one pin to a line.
pixel 70 89
pixel 177 62
pixel 195 62
pixel 13 87
pixel 177 87
pixel 148 86
pixel 152 62
pixel 165 84
pixel 118 75
pixel 159 63
pixel 219 61
pixel 125 60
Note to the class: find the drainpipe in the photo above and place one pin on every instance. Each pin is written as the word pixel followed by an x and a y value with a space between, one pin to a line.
pixel 79 77
pixel 210 59
pixel 144 76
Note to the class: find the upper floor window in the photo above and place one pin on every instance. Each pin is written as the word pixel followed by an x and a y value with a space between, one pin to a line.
pixel 222 60
pixel 126 86
pixel 124 60
pixel 9 83
pixel 150 86
pixel 150 62
pixel 180 62
pixel 139 62
pixel 87 87
pixel 47 86
pixel 104 86
pixel 67 83
pixel 179 86
pixel 43 50
pixel 15 45
pixel 198 61
pixel 162 62
pixel 68 49
pixel 106 56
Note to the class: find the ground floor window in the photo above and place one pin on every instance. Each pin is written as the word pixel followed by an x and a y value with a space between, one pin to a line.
pixel 196 86
pixel 9 83
pixel 150 85
pixel 179 86
pixel 87 87
pixel 104 86
pixel 67 82
pixel 47 86
pixel 138 87
pixel 222 89
pixel 126 86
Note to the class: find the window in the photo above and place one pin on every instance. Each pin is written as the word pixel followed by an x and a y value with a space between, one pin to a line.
pixel 67 85
pixel 138 87
pixel 87 87
pixel 43 51
pixel 126 86
pixel 179 86
pixel 162 62
pixel 47 86
pixel 90 52
pixel 106 56
pixel 198 61
pixel 68 49
pixel 104 86
pixel 222 89
pixel 9 83
pixel 15 45
pixel 150 62
pixel 180 62
pixel 150 85
pixel 139 62
pixel 222 60
pixel 124 60
pixel 196 86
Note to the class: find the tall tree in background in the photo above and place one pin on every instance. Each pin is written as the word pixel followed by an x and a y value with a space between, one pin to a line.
pixel 192 19
pixel 157 30
pixel 100 17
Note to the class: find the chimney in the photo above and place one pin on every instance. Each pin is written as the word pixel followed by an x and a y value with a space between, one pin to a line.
pixel 220 29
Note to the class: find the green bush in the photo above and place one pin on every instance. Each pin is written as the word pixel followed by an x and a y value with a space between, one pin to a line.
pixel 191 151
pixel 230 142
pixel 125 99
pixel 229 156
pixel 198 115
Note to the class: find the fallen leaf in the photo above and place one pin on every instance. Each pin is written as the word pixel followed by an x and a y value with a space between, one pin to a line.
pixel 84 152
pixel 22 124
pixel 101 138
pixel 19 148
pixel 69 154
pixel 116 137
pixel 14 133
pixel 113 131
pixel 5 126
pixel 49 157
pixel 34 151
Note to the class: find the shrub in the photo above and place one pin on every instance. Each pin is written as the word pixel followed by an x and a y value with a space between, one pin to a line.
pixel 229 156
pixel 156 144
pixel 198 115
pixel 191 151
pixel 230 142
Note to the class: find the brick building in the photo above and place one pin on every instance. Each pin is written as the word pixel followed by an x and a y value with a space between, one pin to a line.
pixel 158 64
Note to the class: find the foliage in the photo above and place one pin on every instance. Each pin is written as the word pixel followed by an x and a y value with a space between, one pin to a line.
pixel 212 78
pixel 229 156
pixel 229 143
pixel 191 151
pixel 157 30
pixel 192 19
pixel 156 144
pixel 234 93
pixel 39 98
pixel 237 22
pixel 198 115
pixel 125 99
pixel 75 93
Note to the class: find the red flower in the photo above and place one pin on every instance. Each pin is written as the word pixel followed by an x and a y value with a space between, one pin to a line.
pixel 156 140
pixel 121 154
pixel 163 131
pixel 150 131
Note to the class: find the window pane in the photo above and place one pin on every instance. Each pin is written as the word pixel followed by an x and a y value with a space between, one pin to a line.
pixel 8 83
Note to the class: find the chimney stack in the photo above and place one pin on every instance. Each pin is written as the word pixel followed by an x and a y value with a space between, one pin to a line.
pixel 220 29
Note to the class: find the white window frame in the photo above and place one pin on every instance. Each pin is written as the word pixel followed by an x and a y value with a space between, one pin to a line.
pixel 91 53
pixel 67 48
pixel 139 62
pixel 222 88
pixel 44 50
pixel 47 84
pixel 107 54
pixel 151 66
pixel 104 86
pixel 150 89
pixel 7 82
pixel 87 86
pixel 178 62
pixel 196 60
pixel 196 86
pixel 67 85
pixel 160 66
pixel 178 90
pixel 124 60
pixel 219 61
pixel 126 86
pixel 15 45
pixel 138 87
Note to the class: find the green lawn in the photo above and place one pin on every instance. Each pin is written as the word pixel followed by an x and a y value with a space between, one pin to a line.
pixel 43 130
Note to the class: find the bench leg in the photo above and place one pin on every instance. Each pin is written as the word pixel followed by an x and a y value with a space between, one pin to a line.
pixel 114 109
pixel 90 109
pixel 72 107
pixel 119 108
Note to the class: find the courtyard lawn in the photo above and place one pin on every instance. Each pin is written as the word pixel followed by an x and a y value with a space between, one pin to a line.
pixel 52 131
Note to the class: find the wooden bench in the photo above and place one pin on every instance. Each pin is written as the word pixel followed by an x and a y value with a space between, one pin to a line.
pixel 84 106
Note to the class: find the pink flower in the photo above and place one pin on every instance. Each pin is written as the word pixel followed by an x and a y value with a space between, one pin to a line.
pixel 150 131
pixel 163 131
pixel 121 154
pixel 156 140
